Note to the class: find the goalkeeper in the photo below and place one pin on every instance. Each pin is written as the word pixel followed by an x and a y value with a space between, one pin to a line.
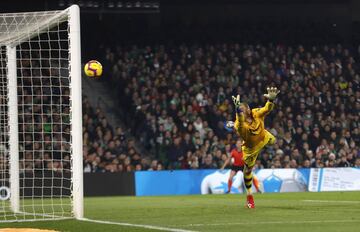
pixel 250 127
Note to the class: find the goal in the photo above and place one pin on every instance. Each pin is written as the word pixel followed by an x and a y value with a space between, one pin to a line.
pixel 41 169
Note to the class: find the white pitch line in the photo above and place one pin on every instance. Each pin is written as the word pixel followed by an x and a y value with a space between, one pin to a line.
pixel 36 220
pixel 137 225
pixel 271 222
pixel 327 201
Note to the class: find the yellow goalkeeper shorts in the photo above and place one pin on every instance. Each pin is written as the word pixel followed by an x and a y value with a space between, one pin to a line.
pixel 251 154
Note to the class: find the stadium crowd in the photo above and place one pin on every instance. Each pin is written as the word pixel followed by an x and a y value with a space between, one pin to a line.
pixel 107 149
pixel 177 98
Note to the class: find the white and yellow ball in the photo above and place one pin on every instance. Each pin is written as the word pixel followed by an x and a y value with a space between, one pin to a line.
pixel 93 68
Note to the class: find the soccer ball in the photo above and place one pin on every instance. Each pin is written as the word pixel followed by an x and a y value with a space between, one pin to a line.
pixel 93 68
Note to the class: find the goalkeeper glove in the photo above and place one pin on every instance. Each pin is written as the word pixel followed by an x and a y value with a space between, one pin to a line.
pixel 236 101
pixel 272 93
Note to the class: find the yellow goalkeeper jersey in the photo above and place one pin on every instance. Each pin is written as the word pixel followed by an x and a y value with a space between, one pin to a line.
pixel 253 133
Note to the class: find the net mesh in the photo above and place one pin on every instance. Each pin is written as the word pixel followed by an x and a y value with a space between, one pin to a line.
pixel 44 130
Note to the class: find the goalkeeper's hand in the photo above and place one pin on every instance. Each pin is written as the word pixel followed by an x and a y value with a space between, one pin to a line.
pixel 236 101
pixel 272 93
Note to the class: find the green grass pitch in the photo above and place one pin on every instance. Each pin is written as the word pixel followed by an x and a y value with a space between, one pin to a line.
pixel 332 211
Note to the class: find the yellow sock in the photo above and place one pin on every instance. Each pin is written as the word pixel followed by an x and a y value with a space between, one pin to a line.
pixel 248 179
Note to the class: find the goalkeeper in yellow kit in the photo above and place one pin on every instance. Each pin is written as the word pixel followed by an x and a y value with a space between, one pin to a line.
pixel 249 125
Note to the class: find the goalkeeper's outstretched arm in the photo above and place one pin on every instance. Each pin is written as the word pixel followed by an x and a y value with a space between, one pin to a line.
pixel 239 119
pixel 269 106
pixel 239 114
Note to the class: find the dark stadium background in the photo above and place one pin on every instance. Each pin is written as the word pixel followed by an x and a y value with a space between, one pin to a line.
pixel 285 21
pixel 308 21
pixel 250 21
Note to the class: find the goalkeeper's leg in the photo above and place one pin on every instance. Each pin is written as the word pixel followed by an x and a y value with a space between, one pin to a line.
pixel 248 179
pixel 249 160
pixel 250 163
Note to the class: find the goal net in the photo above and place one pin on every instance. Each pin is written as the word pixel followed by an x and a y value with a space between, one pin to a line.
pixel 40 116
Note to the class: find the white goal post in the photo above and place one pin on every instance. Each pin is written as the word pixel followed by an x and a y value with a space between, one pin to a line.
pixel 41 165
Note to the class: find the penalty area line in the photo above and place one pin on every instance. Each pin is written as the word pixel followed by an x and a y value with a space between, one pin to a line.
pixel 271 222
pixel 136 225
pixel 327 201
